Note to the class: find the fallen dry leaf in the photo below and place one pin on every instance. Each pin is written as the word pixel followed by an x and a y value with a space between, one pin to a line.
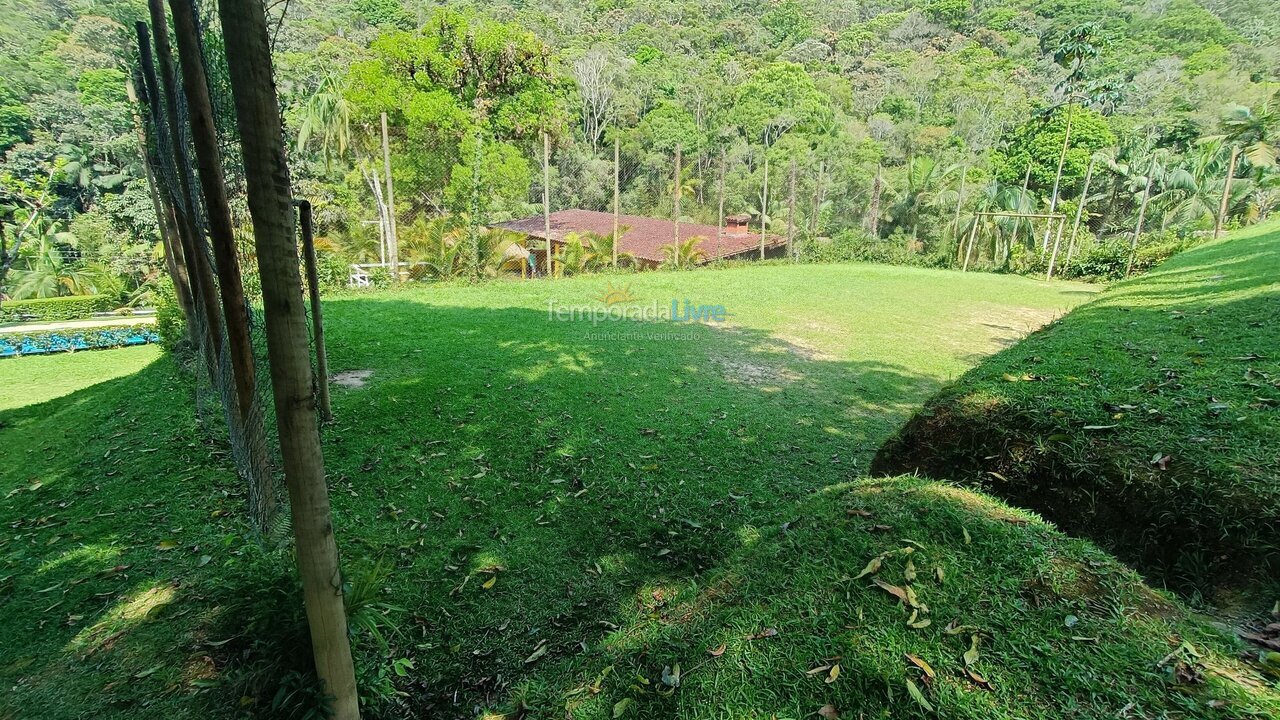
pixel 829 712
pixel 717 651
pixel 893 590
pixel 925 667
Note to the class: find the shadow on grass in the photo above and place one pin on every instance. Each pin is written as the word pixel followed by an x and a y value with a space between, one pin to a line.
pixel 584 468
pixel 1146 420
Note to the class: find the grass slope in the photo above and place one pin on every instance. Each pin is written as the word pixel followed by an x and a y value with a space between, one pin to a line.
pixel 535 486
pixel 1146 419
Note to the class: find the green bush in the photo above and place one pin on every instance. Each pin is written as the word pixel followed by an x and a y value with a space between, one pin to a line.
pixel 75 307
pixel 170 323
pixel 333 271
pixel 1109 259
pixel 855 245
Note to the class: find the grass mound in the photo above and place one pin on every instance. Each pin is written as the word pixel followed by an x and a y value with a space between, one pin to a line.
pixel 1005 617
pixel 1146 419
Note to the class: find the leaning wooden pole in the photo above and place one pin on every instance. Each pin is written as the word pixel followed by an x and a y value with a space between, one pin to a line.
pixel 204 135
pixel 973 236
pixel 546 197
pixel 317 316
pixel 248 50
pixel 1142 216
pixel 1226 193
pixel 199 274
pixel 1084 200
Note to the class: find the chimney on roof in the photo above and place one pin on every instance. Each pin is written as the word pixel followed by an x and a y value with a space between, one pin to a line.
pixel 736 224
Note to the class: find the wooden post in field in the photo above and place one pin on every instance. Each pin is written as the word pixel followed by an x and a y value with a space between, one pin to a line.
pixel 317 316
pixel 873 228
pixel 204 135
pixel 791 214
pixel 1226 193
pixel 720 211
pixel 199 274
pixel 1022 201
pixel 165 223
pixel 248 49
pixel 1057 242
pixel 393 234
pixel 546 196
pixel 955 224
pixel 973 236
pixel 817 199
pixel 764 202
pixel 1084 199
pixel 676 202
pixel 616 199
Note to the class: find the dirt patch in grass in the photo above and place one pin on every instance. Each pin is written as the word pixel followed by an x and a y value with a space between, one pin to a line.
pixel 351 379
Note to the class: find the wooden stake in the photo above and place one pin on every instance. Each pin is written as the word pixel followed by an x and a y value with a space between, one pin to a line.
pixel 764 202
pixel 1084 199
pixel 317 312
pixel 616 197
pixel 546 197
pixel 248 49
pixel 1226 193
pixel 720 203
pixel 676 205
pixel 791 214
pixel 393 234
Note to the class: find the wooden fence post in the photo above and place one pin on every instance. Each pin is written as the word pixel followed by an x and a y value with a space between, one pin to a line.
pixel 616 203
pixel 248 49
pixel 546 197
pixel 317 312
pixel 393 233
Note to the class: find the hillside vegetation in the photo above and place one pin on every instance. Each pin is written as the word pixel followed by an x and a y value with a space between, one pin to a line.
pixel 1146 419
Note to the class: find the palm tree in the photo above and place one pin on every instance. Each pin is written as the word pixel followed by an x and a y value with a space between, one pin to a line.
pixel 48 274
pixel 326 115
pixel 1256 131
pixel 924 175
pixel 683 256
pixel 599 250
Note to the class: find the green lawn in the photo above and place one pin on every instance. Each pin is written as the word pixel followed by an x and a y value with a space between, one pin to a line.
pixel 1147 419
pixel 566 509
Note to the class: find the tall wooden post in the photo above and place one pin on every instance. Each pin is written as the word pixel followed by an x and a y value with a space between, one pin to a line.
pixel 1226 193
pixel 955 223
pixel 393 234
pixel 200 275
pixel 1022 201
pixel 973 236
pixel 817 199
pixel 546 196
pixel 204 135
pixel 676 202
pixel 720 211
pixel 1057 242
pixel 1084 199
pixel 317 312
pixel 764 202
pixel 877 187
pixel 616 199
pixel 1057 178
pixel 791 214
pixel 248 49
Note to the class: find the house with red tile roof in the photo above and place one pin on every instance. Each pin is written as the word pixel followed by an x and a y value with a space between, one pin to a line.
pixel 644 237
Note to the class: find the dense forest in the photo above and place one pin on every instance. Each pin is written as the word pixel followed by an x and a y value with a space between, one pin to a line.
pixel 870 130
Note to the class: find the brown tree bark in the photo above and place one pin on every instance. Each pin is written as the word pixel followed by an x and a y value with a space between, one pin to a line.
pixel 267 176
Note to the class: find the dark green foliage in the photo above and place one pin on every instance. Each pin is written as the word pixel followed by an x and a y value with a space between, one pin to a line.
pixel 55 309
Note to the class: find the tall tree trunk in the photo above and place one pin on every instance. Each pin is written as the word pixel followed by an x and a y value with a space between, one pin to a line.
pixel 267 176
pixel 200 275
pixel 817 199
pixel 1226 193
pixel 720 207
pixel 1137 230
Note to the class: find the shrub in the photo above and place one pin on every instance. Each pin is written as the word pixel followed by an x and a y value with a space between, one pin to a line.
pixel 333 271
pixel 171 326
pixel 75 307
pixel 1108 260
pixel 855 245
